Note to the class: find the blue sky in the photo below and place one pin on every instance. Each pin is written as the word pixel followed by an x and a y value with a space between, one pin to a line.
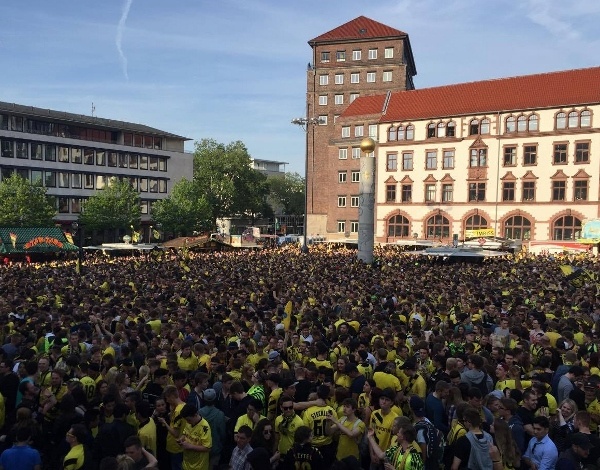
pixel 236 69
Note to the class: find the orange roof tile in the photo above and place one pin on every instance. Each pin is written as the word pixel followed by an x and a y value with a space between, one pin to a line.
pixel 545 90
pixel 358 28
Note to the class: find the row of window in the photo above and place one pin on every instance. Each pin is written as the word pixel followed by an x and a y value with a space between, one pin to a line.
pixel 522 123
pixel 78 155
pixel 342 224
pixel 478 157
pixel 73 205
pixel 477 192
pixel 341 56
pixel 516 227
pixel 355 77
pixel 354 201
pixel 65 179
pixel 359 131
pixel 32 126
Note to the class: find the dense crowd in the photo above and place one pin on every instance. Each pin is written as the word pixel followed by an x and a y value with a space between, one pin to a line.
pixel 276 359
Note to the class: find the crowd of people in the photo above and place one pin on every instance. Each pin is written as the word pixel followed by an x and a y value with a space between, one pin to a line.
pixel 278 359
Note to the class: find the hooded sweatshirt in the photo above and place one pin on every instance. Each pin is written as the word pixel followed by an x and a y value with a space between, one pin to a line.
pixel 216 419
pixel 480 459
pixel 473 376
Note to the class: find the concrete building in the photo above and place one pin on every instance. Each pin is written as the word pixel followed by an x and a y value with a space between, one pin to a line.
pixel 75 155
pixel 360 58
pixel 269 167
pixel 517 155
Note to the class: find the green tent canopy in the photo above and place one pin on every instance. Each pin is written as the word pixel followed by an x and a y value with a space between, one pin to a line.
pixel 21 240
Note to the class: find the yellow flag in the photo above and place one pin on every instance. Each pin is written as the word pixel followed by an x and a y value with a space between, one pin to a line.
pixel 287 317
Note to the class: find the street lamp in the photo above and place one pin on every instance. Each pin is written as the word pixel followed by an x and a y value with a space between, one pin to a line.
pixel 158 227
pixel 78 230
pixel 305 124
pixel 150 234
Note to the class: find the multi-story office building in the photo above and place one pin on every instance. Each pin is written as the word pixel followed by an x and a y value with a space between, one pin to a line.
pixel 360 58
pixel 74 155
pixel 269 167
pixel 518 155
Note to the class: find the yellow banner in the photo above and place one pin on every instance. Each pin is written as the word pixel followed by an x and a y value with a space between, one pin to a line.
pixel 482 232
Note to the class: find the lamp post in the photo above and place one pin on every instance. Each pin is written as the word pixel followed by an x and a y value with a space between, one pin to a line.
pixel 158 227
pixel 77 229
pixel 305 124
pixel 150 234
pixel 366 214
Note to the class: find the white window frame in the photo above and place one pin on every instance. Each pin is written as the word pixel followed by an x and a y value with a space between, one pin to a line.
pixel 339 99
pixel 322 100
pixel 356 54
pixel 323 79
pixel 355 177
pixel 342 176
pixel 339 78
pixel 341 226
pixel 355 153
pixel 353 96
pixel 340 56
pixel 343 154
pixel 373 130
pixel 354 226
pixel 371 76
pixel 323 120
pixel 387 76
pixel 325 56
pixel 354 201
pixel 355 77
pixel 345 132
pixel 388 53
pixel 359 131
pixel 372 54
pixel 341 201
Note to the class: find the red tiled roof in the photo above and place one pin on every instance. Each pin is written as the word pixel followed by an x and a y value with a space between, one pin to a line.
pixel 358 28
pixel 545 90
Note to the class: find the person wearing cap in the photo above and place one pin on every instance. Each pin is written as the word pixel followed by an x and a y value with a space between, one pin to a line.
pixel 382 421
pixel 288 387
pixel 217 421
pixel 195 440
pixel 592 405
pixel 286 424
pixel 572 458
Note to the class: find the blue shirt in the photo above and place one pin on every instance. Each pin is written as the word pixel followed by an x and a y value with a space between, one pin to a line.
pixel 543 453
pixel 20 458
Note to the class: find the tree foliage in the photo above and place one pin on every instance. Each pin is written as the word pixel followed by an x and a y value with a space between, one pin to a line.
pixel 117 206
pixel 286 194
pixel 184 211
pixel 24 204
pixel 225 176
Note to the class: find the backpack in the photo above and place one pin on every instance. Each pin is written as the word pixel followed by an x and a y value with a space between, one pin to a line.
pixel 482 385
pixel 436 444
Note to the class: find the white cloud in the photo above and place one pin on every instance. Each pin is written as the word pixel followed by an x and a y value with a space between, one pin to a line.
pixel 119 37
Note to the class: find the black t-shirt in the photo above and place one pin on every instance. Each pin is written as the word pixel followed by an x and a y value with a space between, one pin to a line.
pixel 527 416
pixel 462 450
pixel 303 456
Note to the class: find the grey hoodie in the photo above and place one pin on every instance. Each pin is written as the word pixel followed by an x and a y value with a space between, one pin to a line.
pixel 216 419
pixel 473 376
pixel 479 458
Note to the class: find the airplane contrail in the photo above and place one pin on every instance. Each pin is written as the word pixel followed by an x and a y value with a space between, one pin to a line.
pixel 119 37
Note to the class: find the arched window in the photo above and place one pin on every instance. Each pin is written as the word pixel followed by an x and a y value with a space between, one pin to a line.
pixel 566 228
pixel 517 227
pixel 573 119
pixel 585 118
pixel 392 134
pixel 561 121
pixel 437 226
pixel 484 127
pixel 450 129
pixel 398 226
pixel 510 124
pixel 401 135
pixel 431 130
pixel 521 124
pixel 476 222
pixel 533 124
pixel 441 129
pixel 474 127
pixel 410 132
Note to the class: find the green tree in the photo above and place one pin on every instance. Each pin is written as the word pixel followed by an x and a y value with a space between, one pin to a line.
pixel 225 176
pixel 184 211
pixel 117 206
pixel 24 204
pixel 286 194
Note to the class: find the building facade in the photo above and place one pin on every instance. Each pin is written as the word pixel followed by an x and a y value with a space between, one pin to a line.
pixel 73 156
pixel 357 59
pixel 517 155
